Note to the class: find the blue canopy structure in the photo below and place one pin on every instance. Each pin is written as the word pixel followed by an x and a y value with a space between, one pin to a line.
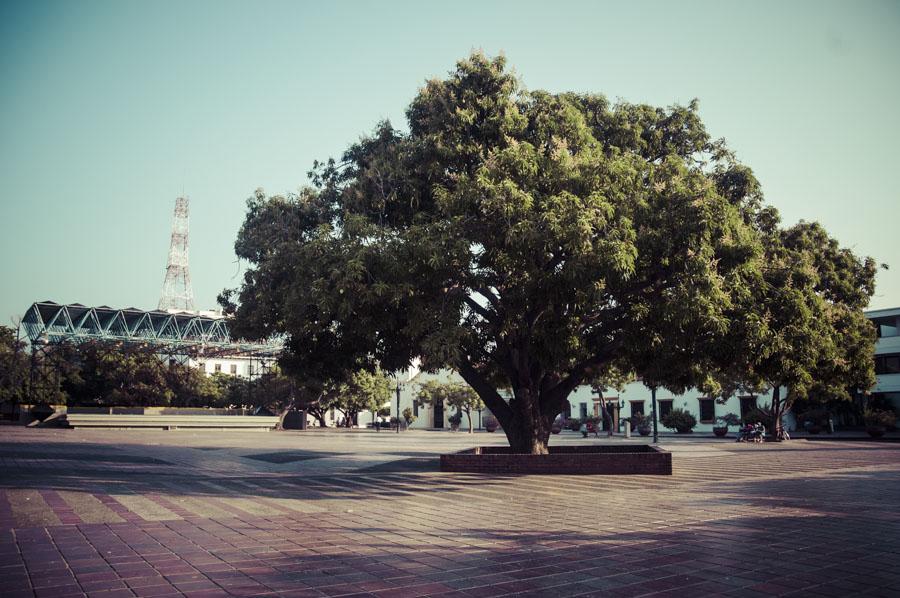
pixel 182 333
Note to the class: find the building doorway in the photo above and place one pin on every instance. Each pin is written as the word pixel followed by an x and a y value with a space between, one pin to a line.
pixel 612 415
pixel 439 414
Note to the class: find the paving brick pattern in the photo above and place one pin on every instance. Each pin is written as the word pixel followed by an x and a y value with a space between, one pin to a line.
pixel 803 518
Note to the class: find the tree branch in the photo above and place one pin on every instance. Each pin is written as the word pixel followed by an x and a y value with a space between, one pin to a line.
pixel 579 372
pixel 488 393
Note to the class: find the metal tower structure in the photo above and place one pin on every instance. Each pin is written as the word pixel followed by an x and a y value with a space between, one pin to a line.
pixel 176 292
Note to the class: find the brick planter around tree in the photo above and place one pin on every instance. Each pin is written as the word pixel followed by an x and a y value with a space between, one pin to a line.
pixel 588 460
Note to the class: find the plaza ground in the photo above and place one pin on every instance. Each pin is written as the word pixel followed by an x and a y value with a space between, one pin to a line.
pixel 335 513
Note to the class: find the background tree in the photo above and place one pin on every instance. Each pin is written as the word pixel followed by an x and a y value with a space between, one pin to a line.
pixel 525 239
pixel 14 367
pixel 452 394
pixel 103 374
pixel 191 387
pixel 814 337
pixel 364 391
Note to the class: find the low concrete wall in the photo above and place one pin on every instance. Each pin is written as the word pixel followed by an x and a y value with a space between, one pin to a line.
pixel 170 422
pixel 569 460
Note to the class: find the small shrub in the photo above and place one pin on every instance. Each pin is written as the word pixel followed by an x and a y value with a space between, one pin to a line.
pixel 573 424
pixel 637 420
pixel 883 419
pixel 679 420
pixel 455 419
pixel 490 423
pixel 729 419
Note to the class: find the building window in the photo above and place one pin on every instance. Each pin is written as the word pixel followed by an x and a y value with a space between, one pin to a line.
pixel 583 410
pixel 665 407
pixel 217 367
pixel 233 369
pixel 707 411
pixel 416 408
pixel 887 364
pixel 568 410
pixel 637 407
pixel 748 404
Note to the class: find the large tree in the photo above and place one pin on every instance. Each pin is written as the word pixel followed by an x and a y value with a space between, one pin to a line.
pixel 812 336
pixel 529 240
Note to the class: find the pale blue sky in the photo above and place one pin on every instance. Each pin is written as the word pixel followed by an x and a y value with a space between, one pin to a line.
pixel 109 110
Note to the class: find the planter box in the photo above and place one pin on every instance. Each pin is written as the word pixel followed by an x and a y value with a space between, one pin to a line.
pixel 568 460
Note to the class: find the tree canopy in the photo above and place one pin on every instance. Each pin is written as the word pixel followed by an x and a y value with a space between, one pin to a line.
pixel 530 240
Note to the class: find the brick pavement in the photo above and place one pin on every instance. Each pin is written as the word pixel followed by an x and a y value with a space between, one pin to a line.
pixel 168 514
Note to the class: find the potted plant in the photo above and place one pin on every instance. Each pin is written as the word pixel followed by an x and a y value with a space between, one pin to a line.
pixel 641 423
pixel 720 428
pixel 574 424
pixel 490 423
pixel 679 420
pixel 878 422
pixel 408 416
pixel 455 420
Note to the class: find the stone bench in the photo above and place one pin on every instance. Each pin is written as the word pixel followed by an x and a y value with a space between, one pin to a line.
pixel 170 422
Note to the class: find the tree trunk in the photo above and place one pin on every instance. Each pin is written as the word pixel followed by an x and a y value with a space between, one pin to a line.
pixel 528 430
pixel 526 425
pixel 529 437
pixel 777 412
pixel 469 417
pixel 607 419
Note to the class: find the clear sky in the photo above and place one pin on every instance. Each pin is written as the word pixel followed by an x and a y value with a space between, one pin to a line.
pixel 109 110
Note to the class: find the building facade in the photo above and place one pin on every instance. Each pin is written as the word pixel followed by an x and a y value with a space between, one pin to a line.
pixel 586 401
pixel 886 393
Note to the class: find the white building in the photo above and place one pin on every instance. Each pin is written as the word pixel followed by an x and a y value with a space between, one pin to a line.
pixel 887 356
pixel 584 402
pixel 636 398
pixel 243 367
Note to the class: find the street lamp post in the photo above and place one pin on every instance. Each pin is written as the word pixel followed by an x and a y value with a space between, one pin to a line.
pixel 653 401
pixel 398 406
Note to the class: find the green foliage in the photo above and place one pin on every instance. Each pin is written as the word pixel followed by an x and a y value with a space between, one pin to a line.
pixel 679 419
pixel 14 367
pixel 538 241
pixel 363 391
pixel 408 416
pixel 885 419
pixel 103 374
pixel 809 331
pixel 451 394
pixel 760 416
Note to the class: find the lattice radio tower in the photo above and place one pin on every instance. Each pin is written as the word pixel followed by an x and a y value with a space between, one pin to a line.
pixel 176 292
